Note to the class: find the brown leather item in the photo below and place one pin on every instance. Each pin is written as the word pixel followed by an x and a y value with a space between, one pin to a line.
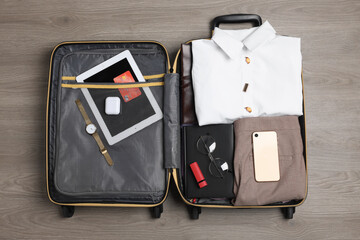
pixel 292 183
pixel 188 115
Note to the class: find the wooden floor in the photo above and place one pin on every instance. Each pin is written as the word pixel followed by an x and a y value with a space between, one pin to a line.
pixel 330 32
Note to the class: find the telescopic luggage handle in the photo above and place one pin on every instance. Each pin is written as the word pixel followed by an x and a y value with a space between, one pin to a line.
pixel 254 19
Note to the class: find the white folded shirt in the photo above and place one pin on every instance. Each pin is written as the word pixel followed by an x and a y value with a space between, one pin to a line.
pixel 269 64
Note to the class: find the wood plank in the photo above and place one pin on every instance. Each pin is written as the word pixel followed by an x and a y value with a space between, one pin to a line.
pixel 331 52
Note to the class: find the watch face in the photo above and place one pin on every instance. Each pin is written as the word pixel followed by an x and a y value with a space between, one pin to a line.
pixel 91 128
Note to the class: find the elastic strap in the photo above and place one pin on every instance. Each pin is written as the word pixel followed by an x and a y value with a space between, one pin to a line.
pixel 112 86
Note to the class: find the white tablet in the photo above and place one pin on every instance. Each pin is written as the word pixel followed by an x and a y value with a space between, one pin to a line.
pixel 139 108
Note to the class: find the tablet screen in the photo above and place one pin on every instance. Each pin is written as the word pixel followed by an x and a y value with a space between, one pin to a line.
pixel 138 105
pixel 132 112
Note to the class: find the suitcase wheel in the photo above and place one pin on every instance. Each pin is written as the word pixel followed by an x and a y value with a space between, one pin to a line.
pixel 288 212
pixel 194 212
pixel 157 211
pixel 68 211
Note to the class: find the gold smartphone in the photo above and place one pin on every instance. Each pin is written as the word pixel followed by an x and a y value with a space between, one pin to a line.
pixel 266 157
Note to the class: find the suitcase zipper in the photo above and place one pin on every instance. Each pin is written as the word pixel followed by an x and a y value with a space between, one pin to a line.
pixel 111 85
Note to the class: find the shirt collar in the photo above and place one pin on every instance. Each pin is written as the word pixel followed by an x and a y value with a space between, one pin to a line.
pixel 233 44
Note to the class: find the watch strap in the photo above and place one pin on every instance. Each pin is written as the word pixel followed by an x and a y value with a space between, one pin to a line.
pixel 95 135
pixel 102 148
pixel 83 112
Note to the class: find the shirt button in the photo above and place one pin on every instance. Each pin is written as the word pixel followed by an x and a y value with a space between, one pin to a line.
pixel 245 87
pixel 248 109
pixel 247 60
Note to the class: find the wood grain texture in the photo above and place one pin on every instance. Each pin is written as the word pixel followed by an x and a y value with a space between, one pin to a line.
pixel 330 35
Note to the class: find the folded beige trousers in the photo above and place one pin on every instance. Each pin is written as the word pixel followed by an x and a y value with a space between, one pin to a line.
pixel 292 183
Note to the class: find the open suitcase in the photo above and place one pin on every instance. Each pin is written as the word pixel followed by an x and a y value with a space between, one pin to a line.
pixel 144 162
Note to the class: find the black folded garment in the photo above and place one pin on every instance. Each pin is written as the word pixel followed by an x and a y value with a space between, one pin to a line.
pixel 198 142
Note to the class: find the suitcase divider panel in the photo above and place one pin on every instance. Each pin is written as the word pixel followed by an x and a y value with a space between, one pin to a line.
pixel 172 121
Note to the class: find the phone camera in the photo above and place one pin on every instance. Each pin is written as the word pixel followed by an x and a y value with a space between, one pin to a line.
pixel 256 135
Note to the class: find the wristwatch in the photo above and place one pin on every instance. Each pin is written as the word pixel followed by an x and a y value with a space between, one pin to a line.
pixel 91 130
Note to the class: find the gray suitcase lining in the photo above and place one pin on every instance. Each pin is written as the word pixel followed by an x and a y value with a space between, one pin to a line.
pixel 77 170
